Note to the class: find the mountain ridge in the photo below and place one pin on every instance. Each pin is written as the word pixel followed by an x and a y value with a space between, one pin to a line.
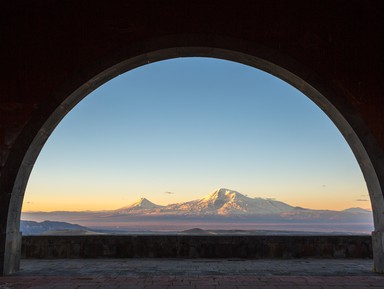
pixel 223 202
pixel 141 204
pixel 222 209
pixel 38 228
pixel 220 202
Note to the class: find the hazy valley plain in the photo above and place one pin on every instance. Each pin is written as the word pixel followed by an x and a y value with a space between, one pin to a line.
pixel 221 212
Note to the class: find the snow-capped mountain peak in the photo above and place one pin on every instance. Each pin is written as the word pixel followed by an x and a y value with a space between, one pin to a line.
pixel 228 202
pixel 220 202
pixel 141 204
pixel 220 197
pixel 222 194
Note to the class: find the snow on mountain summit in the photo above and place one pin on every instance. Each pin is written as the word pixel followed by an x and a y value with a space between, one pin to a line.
pixel 228 202
pixel 232 202
pixel 222 195
pixel 141 204
pixel 220 202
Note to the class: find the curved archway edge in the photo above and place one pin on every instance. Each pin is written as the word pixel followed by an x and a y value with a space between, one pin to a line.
pixel 302 83
pixel 56 52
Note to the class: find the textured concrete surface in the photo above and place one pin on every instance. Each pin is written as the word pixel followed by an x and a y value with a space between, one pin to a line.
pixel 196 267
pixel 173 246
pixel 191 274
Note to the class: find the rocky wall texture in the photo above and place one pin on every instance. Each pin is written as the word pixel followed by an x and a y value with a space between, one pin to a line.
pixel 254 247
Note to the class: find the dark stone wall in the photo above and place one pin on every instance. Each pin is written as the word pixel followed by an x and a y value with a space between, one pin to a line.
pixel 53 50
pixel 53 47
pixel 253 247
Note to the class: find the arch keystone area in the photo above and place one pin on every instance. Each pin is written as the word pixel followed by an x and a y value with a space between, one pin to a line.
pixel 57 52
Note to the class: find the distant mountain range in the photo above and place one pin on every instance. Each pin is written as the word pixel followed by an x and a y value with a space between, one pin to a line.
pixel 220 209
pixel 50 227
pixel 220 202
pixel 224 202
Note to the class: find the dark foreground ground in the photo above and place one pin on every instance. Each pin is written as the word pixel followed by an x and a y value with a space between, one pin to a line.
pixel 194 273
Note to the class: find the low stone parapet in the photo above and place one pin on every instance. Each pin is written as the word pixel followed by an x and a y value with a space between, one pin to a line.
pixel 160 246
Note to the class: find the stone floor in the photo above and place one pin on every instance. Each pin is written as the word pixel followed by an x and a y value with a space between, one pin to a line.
pixel 194 273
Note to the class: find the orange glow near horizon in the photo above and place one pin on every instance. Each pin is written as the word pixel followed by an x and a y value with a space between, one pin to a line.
pixel 175 130
pixel 87 203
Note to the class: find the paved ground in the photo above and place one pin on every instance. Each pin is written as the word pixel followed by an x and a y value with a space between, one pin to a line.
pixel 194 273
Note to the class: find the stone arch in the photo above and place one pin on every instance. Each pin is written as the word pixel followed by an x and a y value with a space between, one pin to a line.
pixel 52 48
pixel 37 130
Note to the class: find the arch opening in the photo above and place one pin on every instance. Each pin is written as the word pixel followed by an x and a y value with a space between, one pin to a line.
pixel 176 131
pixel 306 86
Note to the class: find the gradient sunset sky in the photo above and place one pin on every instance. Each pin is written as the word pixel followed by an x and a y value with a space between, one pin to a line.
pixel 175 130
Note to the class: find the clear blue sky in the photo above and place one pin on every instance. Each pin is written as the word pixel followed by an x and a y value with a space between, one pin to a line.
pixel 175 130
